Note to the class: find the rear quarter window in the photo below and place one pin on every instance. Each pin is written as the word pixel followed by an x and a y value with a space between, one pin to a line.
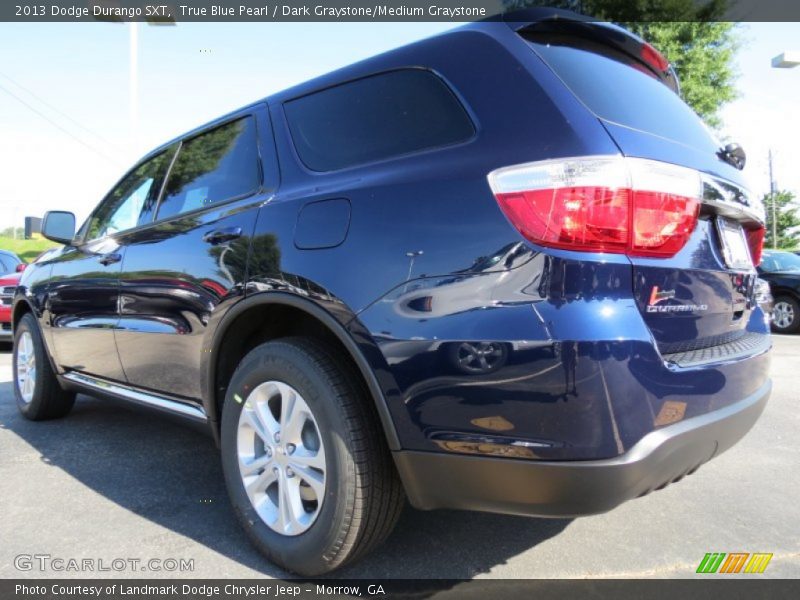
pixel 376 118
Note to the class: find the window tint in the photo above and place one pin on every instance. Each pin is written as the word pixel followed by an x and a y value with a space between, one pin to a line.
pixel 212 167
pixel 132 202
pixel 4 268
pixel 374 118
pixel 618 88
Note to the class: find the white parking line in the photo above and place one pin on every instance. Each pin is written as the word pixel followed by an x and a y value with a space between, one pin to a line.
pixel 5 373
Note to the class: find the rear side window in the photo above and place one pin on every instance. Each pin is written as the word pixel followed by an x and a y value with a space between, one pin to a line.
pixel 618 88
pixel 214 166
pixel 375 118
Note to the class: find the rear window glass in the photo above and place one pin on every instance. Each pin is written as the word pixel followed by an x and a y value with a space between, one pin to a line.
pixel 375 118
pixel 618 88
pixel 215 166
pixel 9 261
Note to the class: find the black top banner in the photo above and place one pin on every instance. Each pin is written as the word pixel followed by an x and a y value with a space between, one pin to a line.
pixel 169 13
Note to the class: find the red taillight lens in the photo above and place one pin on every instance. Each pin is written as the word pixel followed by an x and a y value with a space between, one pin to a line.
pixel 578 218
pixel 601 204
pixel 662 223
pixel 654 58
pixel 755 239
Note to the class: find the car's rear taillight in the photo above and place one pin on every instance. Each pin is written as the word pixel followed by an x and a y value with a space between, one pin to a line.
pixel 755 239
pixel 601 204
pixel 654 58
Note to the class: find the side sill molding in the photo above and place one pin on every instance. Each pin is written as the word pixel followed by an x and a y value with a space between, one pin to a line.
pixel 118 390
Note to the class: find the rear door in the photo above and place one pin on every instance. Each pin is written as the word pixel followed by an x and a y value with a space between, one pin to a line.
pixel 704 294
pixel 183 269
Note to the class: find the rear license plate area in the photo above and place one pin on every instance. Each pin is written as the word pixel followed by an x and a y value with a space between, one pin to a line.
pixel 733 245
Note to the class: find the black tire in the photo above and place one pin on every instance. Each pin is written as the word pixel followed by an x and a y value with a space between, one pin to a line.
pixel 794 323
pixel 363 496
pixel 49 400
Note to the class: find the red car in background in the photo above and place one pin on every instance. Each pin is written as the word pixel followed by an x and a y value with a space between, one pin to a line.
pixel 12 268
pixel 8 283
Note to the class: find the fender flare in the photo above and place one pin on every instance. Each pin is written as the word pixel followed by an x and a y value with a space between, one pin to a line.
pixel 786 291
pixel 17 310
pixel 315 311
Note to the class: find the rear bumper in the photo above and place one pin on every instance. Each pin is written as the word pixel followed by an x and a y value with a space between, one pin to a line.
pixel 575 488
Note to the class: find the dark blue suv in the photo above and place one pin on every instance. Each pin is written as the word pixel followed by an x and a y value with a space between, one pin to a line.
pixel 503 269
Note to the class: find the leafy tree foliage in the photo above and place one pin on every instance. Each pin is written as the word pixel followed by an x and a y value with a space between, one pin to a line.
pixel 702 54
pixel 788 220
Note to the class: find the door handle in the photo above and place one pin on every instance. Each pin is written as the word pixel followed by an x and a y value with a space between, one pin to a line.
pixel 218 236
pixel 109 259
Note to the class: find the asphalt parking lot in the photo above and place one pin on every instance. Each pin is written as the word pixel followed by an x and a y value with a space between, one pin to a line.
pixel 113 482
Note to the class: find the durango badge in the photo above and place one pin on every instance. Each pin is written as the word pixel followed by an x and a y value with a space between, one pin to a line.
pixel 657 296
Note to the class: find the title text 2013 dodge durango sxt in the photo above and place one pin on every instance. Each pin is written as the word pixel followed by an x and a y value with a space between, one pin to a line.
pixel 502 269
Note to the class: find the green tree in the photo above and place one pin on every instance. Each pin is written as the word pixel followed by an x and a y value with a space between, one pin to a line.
pixel 686 32
pixel 702 54
pixel 787 221
pixel 13 232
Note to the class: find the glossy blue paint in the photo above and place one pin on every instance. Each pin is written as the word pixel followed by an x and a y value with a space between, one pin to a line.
pixel 322 224
pixel 479 341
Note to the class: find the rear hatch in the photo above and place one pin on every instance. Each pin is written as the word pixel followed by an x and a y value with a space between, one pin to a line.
pixel 702 296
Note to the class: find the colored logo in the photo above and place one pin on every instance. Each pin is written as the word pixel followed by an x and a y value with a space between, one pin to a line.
pixel 734 562
pixel 657 296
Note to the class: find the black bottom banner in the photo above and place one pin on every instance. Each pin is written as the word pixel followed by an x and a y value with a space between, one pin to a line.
pixel 480 589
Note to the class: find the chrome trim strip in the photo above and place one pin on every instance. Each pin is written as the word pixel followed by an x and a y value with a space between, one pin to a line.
pixel 731 200
pixel 137 396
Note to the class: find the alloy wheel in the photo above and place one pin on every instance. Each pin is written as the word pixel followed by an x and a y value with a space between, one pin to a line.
pixel 25 360
pixel 281 458
pixel 479 357
pixel 783 314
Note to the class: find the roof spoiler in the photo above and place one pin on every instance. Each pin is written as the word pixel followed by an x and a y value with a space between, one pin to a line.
pixel 565 21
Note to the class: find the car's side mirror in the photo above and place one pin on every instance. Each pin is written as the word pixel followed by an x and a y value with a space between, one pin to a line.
pixel 21 267
pixel 59 226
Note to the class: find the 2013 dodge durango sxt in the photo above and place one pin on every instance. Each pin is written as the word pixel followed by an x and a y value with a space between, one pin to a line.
pixel 503 269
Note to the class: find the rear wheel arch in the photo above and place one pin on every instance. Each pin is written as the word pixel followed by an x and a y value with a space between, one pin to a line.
pixel 785 291
pixel 273 315
pixel 780 291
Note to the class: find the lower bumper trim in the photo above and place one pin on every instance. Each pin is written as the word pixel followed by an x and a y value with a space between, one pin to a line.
pixel 575 488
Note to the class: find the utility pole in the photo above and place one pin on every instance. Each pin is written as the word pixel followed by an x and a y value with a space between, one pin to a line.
pixel 133 83
pixel 773 201
pixel 133 77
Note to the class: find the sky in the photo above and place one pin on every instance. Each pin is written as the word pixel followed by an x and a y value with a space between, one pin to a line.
pixel 69 128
